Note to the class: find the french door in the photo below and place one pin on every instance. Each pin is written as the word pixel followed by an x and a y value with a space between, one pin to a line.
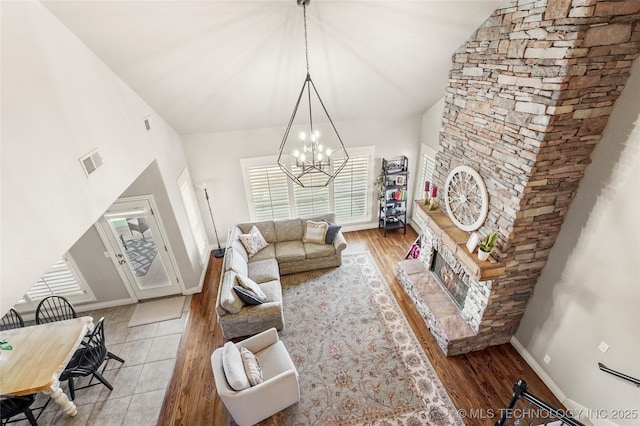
pixel 139 249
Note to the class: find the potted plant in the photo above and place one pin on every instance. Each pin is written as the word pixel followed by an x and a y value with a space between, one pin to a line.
pixel 486 245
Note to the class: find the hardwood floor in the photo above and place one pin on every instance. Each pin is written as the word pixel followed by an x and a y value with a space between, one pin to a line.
pixel 477 382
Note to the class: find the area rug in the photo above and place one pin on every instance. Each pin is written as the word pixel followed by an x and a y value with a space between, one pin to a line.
pixel 157 310
pixel 357 357
pixel 141 254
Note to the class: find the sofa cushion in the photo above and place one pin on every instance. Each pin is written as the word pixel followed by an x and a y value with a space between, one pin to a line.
pixel 315 232
pixel 233 240
pixel 269 252
pixel 267 229
pixel 290 251
pixel 233 367
pixel 273 290
pixel 327 217
pixel 332 232
pixel 253 241
pixel 288 230
pixel 249 284
pixel 247 296
pixel 264 270
pixel 229 300
pixel 316 251
pixel 233 261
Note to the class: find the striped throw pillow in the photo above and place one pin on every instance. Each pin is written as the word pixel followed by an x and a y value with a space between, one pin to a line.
pixel 315 232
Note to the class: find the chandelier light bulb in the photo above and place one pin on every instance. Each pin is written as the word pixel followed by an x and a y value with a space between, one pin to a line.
pixel 319 157
pixel 303 136
pixel 296 153
pixel 328 152
pixel 320 147
pixel 317 133
pixel 303 157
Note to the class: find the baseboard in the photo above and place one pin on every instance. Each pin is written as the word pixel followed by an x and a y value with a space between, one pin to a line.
pixel 538 369
pixel 198 288
pixel 580 412
pixel 31 316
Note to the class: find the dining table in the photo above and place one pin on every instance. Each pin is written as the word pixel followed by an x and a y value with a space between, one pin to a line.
pixel 38 357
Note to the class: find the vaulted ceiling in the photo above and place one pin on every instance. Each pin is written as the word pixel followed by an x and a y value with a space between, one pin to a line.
pixel 211 66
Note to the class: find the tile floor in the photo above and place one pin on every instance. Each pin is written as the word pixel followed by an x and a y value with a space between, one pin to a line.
pixel 139 384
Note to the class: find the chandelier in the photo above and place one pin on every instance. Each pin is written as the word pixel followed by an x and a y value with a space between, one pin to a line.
pixel 314 154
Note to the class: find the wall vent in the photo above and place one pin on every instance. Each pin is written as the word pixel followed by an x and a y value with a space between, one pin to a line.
pixel 147 123
pixel 91 162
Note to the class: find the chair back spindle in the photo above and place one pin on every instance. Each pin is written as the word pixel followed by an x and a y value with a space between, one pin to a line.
pixel 12 319
pixel 54 308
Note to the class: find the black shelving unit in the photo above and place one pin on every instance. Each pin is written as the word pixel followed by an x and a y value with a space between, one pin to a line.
pixel 393 194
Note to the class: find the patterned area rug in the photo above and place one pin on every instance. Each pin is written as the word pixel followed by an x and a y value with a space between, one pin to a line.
pixel 358 359
pixel 141 254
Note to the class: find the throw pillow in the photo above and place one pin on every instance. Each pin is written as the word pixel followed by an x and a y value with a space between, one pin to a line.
pixel 247 296
pixel 332 232
pixel 315 232
pixel 233 367
pixel 250 284
pixel 253 242
pixel 251 367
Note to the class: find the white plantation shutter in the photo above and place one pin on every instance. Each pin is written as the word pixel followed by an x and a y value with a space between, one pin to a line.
pixel 269 191
pixel 351 189
pixel 426 174
pixel 193 216
pixel 62 279
pixel 309 201
pixel 271 195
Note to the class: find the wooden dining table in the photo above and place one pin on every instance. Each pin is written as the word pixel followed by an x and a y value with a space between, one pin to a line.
pixel 39 355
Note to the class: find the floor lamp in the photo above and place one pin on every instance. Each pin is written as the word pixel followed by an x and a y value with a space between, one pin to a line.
pixel 219 252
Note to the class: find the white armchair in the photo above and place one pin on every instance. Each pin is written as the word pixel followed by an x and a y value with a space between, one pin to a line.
pixel 278 390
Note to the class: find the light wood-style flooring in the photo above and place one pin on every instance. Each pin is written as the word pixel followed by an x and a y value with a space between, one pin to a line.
pixel 480 381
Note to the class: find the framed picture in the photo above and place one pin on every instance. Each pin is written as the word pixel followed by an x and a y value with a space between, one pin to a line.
pixel 399 180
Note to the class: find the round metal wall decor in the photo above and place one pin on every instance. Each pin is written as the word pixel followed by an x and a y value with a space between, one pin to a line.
pixel 466 198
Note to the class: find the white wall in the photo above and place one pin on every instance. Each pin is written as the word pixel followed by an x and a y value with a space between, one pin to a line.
pixel 589 291
pixel 214 158
pixel 59 101
pixel 431 124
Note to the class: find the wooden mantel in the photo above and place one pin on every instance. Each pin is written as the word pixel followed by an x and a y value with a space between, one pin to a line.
pixel 455 240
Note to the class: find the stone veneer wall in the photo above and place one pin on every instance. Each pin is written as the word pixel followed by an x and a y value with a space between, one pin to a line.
pixel 529 96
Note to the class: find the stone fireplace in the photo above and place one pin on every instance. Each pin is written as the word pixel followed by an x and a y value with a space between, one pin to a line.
pixel 528 98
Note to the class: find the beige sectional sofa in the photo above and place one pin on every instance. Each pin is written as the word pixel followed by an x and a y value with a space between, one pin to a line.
pixel 285 254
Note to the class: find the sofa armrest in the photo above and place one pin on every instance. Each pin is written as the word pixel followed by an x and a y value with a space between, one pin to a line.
pixel 260 341
pixel 339 243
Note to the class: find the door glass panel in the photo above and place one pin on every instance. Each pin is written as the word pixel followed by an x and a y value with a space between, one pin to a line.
pixel 139 245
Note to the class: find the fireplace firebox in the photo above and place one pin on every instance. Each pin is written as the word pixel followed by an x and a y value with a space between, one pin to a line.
pixel 449 280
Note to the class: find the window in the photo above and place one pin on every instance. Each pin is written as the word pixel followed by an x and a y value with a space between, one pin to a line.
pixel 271 195
pixel 62 279
pixel 185 185
pixel 427 168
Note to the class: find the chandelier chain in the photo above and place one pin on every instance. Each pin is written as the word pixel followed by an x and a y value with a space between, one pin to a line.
pixel 306 48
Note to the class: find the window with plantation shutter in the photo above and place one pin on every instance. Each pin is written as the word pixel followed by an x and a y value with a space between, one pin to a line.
pixel 310 201
pixel 351 189
pixel 271 195
pixel 427 168
pixel 62 279
pixel 194 218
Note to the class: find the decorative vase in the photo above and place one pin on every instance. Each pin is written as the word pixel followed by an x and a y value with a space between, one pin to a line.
pixel 483 255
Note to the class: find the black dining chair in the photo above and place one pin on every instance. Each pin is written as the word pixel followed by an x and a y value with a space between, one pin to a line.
pixel 11 406
pixel 54 308
pixel 58 308
pixel 12 319
pixel 87 361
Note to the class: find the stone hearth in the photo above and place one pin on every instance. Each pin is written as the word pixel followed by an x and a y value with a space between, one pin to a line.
pixel 528 98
